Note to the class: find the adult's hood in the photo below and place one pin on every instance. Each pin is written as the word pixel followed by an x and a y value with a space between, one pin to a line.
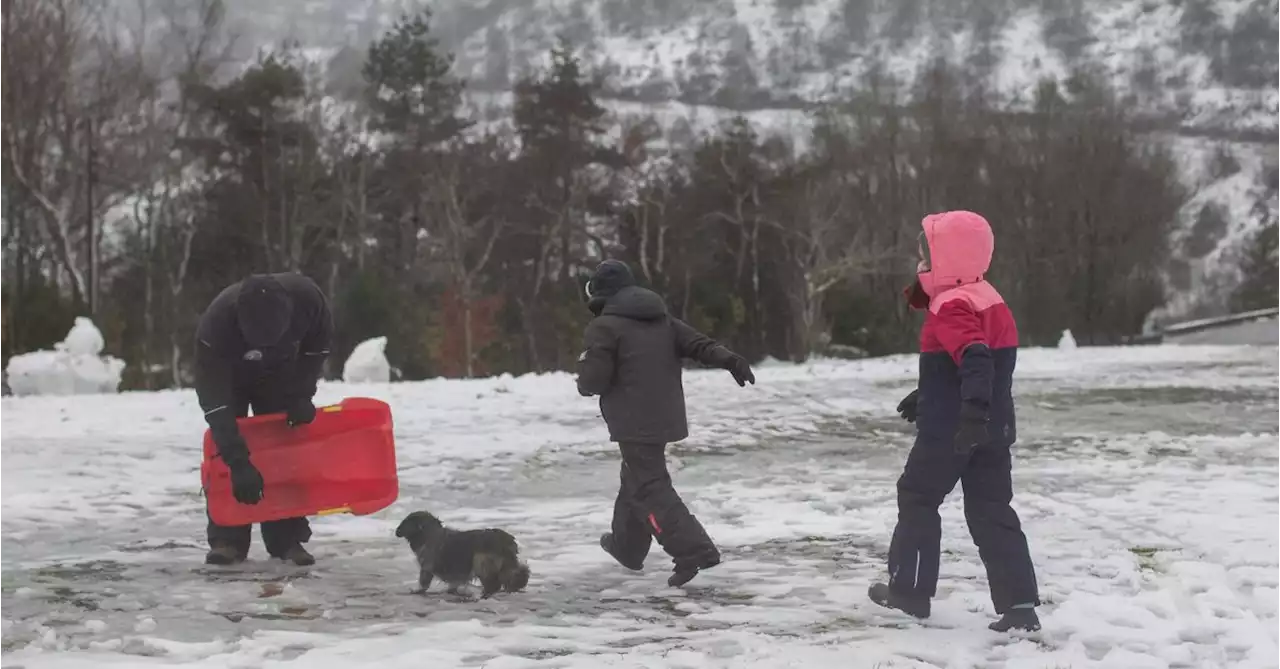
pixel 960 245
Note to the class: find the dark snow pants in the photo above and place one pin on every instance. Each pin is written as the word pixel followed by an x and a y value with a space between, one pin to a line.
pixel 648 507
pixel 985 475
pixel 278 535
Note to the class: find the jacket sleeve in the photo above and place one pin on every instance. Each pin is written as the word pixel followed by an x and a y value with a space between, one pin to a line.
pixel 313 350
pixel 960 331
pixel 694 345
pixel 598 359
pixel 216 394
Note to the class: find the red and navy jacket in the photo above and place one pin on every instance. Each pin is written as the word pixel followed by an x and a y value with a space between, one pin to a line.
pixel 968 351
pixel 969 342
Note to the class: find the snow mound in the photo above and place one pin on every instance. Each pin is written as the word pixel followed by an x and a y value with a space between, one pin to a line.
pixel 368 363
pixel 1067 342
pixel 84 339
pixel 76 366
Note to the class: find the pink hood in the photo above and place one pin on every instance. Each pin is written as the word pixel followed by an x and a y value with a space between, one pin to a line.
pixel 960 248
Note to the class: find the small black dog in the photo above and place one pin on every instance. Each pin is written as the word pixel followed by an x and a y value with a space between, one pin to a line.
pixel 459 557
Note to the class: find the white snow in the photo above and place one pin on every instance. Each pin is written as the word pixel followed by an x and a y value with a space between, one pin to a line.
pixel 1067 342
pixel 83 339
pixel 368 363
pixel 1146 479
pixel 76 366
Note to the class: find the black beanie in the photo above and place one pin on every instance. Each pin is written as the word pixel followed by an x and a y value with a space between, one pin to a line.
pixel 264 310
pixel 610 277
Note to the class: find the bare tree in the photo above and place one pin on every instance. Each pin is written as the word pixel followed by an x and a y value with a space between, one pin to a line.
pixel 352 163
pixel 464 224
pixel 186 44
pixel 70 121
pixel 45 39
pixel 655 187
pixel 824 242
pixel 736 169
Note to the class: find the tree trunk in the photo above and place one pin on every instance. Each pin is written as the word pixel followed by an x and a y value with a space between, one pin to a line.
pixel 644 245
pixel 175 358
pixel 16 338
pixel 148 317
pixel 688 286
pixel 177 285
pixel 531 339
pixel 362 197
pixel 566 231
pixel 466 333
pixel 795 339
pixel 91 238
pixel 812 310
pixel 757 308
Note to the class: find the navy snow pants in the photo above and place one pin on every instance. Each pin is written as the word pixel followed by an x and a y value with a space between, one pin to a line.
pixel 985 475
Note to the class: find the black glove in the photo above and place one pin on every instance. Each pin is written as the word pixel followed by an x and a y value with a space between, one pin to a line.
pixel 301 412
pixel 907 407
pixel 972 431
pixel 246 481
pixel 741 371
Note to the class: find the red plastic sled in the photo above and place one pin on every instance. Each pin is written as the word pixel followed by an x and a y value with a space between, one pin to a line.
pixel 343 462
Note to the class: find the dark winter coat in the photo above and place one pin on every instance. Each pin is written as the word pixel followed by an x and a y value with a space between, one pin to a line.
pixel 287 317
pixel 632 360
pixel 969 342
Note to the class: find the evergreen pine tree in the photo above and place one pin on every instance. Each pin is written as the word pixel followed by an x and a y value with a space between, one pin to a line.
pixel 411 89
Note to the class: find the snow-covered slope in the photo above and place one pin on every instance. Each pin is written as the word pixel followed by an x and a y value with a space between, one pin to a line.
pixel 1203 72
pixel 1207 64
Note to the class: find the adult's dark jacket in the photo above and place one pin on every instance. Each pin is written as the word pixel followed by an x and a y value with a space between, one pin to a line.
pixel 632 360
pixel 269 333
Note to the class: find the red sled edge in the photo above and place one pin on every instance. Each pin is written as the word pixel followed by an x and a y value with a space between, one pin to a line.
pixel 361 508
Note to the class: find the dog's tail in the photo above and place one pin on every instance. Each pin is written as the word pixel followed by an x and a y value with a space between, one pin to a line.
pixel 514 577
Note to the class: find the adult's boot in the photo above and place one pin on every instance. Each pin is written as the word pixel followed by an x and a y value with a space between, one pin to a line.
pixel 223 554
pixel 299 556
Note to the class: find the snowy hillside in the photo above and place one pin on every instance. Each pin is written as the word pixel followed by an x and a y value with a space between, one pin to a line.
pixel 1204 64
pixel 1202 73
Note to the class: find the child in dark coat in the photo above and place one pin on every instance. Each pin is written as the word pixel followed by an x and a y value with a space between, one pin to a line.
pixel 632 360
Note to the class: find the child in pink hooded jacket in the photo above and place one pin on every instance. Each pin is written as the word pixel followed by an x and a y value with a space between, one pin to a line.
pixel 965 427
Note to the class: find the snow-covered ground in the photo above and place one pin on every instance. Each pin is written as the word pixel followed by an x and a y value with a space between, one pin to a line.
pixel 1146 478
